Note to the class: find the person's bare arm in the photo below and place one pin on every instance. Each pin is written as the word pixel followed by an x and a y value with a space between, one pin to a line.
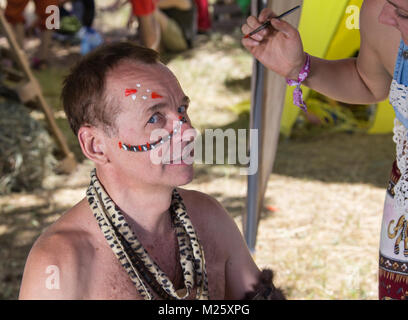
pixel 179 4
pixel 52 270
pixel 216 228
pixel 241 272
pixel 359 80
pixel 353 80
pixel 367 78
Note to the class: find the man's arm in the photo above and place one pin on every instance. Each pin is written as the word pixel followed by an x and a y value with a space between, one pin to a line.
pixel 243 279
pixel 218 230
pixel 361 81
pixel 52 270
pixel 241 272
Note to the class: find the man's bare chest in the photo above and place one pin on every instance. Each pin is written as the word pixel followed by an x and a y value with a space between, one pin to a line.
pixel 109 280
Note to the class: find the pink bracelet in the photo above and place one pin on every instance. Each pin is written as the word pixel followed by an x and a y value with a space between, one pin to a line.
pixel 298 94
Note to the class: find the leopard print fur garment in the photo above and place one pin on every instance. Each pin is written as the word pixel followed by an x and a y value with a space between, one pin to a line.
pixel 150 282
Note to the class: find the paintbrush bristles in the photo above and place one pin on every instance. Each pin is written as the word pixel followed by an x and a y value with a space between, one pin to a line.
pixel 268 23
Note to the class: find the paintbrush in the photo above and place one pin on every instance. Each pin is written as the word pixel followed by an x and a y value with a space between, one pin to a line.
pixel 268 23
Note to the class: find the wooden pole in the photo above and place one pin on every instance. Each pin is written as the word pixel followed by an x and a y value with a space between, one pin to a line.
pixel 31 90
pixel 268 98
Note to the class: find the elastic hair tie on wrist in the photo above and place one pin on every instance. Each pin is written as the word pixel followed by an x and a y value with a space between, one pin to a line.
pixel 298 94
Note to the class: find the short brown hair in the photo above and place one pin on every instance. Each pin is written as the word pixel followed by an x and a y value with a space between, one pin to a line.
pixel 83 94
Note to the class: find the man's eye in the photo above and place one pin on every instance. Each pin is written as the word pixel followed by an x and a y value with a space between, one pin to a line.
pixel 182 109
pixel 154 119
pixel 403 16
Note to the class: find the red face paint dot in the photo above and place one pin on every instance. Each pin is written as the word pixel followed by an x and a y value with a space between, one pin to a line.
pixel 128 92
pixel 156 95
pixel 120 145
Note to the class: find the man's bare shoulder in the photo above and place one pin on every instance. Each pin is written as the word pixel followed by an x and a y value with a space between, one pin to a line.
pixel 210 216
pixel 222 233
pixel 203 203
pixel 53 267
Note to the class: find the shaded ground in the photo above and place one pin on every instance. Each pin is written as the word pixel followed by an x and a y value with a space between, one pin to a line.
pixel 320 227
pixel 337 157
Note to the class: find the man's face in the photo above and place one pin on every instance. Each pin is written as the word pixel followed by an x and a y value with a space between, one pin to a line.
pixel 395 13
pixel 152 103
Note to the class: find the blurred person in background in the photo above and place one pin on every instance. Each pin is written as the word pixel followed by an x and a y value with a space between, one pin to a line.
pixel 164 24
pixel 204 21
pixel 14 15
pixel 84 10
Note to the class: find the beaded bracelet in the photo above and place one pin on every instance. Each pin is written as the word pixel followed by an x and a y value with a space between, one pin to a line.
pixel 298 94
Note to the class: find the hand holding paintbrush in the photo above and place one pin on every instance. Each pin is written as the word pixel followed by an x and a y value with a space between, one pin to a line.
pixel 268 22
pixel 280 49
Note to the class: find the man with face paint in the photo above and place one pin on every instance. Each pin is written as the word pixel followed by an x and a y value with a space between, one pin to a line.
pixel 381 69
pixel 136 234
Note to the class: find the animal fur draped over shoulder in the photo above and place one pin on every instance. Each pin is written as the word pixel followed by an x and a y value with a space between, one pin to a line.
pixel 265 289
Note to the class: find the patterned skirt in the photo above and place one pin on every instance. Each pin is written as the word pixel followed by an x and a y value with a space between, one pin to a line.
pixel 393 272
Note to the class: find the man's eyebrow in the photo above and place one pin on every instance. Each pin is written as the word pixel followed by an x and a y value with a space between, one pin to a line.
pixel 162 105
pixel 154 108
pixel 186 99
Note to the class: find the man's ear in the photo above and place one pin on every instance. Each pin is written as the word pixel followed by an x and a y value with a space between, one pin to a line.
pixel 92 144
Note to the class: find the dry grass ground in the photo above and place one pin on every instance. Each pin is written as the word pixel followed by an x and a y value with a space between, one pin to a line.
pixel 320 227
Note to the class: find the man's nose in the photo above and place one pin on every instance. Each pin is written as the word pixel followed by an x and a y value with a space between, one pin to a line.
pixel 180 124
pixel 387 15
